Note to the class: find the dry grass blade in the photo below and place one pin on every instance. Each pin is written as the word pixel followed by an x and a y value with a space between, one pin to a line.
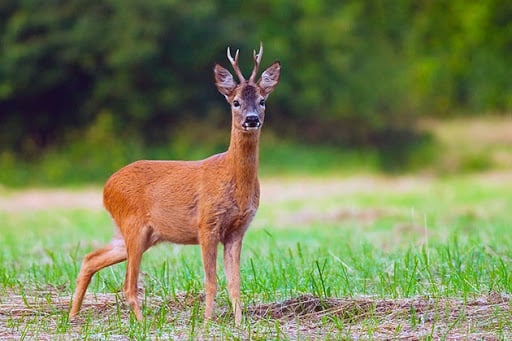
pixel 390 318
pixel 309 306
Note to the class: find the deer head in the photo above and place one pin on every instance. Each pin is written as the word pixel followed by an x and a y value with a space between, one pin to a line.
pixel 247 98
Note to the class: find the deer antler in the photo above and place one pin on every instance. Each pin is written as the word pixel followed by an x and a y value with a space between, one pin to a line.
pixel 234 63
pixel 257 60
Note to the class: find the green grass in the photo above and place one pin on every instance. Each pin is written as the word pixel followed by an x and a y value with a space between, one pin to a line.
pixel 428 249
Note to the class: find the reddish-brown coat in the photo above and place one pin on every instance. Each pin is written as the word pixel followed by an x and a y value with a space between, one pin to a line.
pixel 204 202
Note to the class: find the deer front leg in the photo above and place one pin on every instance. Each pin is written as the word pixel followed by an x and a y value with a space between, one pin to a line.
pixel 209 254
pixel 232 249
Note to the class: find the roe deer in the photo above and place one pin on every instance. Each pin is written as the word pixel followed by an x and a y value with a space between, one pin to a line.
pixel 204 202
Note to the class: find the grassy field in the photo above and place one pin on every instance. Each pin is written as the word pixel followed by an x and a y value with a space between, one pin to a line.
pixel 367 257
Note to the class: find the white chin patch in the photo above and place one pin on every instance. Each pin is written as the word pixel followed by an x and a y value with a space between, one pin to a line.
pixel 250 128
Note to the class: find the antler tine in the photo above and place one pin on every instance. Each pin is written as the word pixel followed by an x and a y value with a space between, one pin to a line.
pixel 257 61
pixel 234 63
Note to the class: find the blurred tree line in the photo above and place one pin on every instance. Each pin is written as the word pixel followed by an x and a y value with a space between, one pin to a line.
pixel 354 72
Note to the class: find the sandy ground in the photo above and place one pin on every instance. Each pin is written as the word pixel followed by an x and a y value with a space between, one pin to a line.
pixel 273 190
pixel 43 199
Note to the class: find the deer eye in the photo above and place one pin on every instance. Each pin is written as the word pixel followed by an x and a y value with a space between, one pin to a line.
pixel 262 102
pixel 236 103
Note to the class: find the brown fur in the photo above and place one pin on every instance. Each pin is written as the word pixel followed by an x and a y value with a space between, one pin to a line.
pixel 203 202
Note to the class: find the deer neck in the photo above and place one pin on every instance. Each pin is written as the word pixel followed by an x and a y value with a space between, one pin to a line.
pixel 243 154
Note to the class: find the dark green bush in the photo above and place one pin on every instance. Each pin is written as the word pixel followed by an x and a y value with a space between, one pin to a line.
pixel 355 73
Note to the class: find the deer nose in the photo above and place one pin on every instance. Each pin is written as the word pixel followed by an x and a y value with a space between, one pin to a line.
pixel 251 122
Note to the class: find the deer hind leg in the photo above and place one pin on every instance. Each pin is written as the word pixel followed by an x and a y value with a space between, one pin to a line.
pixel 112 253
pixel 209 254
pixel 135 248
pixel 232 249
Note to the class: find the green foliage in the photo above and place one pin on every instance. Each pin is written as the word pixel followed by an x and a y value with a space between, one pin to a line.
pixel 279 158
pixel 355 73
pixel 77 162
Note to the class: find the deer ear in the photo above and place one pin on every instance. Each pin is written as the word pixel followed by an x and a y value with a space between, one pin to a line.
pixel 224 81
pixel 270 78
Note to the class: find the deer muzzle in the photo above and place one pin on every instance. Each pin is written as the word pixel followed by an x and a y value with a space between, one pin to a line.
pixel 251 122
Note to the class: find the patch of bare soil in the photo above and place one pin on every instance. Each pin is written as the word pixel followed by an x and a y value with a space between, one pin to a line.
pixel 91 198
pixel 273 190
pixel 412 318
pixel 43 199
pixel 276 190
pixel 305 316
